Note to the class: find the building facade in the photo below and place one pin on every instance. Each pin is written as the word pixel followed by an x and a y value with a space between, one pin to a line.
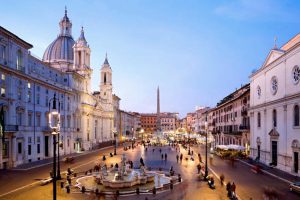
pixel 230 120
pixel 28 85
pixel 274 108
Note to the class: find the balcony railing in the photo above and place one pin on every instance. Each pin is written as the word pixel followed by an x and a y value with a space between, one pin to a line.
pixel 244 127
pixel 11 128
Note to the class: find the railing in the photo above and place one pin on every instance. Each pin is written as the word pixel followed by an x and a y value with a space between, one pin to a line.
pixel 244 127
pixel 11 128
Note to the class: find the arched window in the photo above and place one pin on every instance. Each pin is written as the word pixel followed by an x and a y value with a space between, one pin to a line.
pixel 104 78
pixel 296 115
pixel 19 59
pixel 258 120
pixel 274 118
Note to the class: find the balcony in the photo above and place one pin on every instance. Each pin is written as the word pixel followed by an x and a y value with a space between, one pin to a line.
pixel 11 128
pixel 244 127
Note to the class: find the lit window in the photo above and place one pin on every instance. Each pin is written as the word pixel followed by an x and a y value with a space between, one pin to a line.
pixel 3 77
pixel 29 85
pixel 2 92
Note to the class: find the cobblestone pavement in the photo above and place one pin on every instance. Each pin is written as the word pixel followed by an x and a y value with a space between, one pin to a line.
pixel 249 185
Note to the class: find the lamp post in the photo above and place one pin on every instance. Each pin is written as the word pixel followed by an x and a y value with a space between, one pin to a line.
pixel 115 136
pixel 54 118
pixel 206 169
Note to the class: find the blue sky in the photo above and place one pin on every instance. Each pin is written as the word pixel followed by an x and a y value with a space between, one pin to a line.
pixel 196 51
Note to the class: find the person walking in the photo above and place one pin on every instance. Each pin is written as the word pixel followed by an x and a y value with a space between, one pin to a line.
pixel 142 161
pixel 228 188
pixel 177 157
pixel 233 187
pixel 153 150
pixel 162 156
pixel 166 156
pixel 199 168
pixel 181 156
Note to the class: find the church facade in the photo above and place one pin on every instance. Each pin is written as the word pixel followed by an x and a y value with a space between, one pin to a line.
pixel 28 84
pixel 274 108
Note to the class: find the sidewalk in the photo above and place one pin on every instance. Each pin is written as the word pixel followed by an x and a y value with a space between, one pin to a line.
pixel 39 163
pixel 279 174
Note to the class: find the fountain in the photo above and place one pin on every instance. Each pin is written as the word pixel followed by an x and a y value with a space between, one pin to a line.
pixel 124 177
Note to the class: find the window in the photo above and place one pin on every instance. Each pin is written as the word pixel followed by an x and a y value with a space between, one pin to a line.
pixel 19 147
pixel 3 77
pixel 296 115
pixel 2 91
pixel 19 93
pixel 29 119
pixel 29 140
pixel 19 60
pixel 19 118
pixel 104 78
pixel 38 139
pixel 258 120
pixel 5 150
pixel 68 121
pixel 274 118
pixel 29 96
pixel 28 85
pixel 2 52
pixel 274 85
pixel 38 120
pixel 296 74
pixel 38 99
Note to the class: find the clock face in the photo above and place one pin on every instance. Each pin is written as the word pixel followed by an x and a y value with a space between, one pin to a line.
pixel 296 74
pixel 274 85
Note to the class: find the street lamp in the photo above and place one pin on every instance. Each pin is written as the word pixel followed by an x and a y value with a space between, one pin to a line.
pixel 54 118
pixel 206 127
pixel 115 136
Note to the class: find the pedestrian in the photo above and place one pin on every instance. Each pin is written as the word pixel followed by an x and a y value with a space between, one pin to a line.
pixel 166 156
pixel 142 161
pixel 233 187
pixel 228 188
pixel 116 166
pixel 159 150
pixel 199 168
pixel 181 156
pixel 146 149
pixel 153 150
pixel 222 177
pixel 162 156
pixel 177 157
pixel 192 152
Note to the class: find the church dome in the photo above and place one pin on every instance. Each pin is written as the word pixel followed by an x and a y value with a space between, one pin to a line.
pixel 61 49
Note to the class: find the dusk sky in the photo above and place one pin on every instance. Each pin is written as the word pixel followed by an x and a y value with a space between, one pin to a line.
pixel 196 51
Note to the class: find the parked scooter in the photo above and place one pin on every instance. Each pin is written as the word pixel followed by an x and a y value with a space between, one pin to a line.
pixel 211 183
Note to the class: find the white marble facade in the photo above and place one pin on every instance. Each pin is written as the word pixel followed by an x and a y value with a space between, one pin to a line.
pixel 274 108
pixel 28 84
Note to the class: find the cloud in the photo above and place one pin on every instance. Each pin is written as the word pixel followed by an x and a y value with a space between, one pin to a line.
pixel 263 10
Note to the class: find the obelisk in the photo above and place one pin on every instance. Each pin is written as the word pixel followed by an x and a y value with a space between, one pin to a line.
pixel 158 126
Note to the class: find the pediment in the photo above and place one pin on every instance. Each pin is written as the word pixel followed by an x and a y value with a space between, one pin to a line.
pixel 274 133
pixel 273 55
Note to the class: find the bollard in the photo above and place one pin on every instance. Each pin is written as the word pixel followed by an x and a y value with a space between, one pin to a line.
pixel 137 190
pixel 154 190
pixel 171 186
pixel 61 184
pixel 83 189
pixel 68 189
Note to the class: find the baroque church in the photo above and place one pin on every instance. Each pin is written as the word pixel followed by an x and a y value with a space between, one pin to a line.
pixel 28 84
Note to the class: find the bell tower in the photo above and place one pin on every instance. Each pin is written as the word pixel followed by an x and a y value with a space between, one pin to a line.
pixel 106 81
pixel 82 53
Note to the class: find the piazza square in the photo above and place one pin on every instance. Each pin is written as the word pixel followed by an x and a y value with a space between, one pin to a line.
pixel 150 100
